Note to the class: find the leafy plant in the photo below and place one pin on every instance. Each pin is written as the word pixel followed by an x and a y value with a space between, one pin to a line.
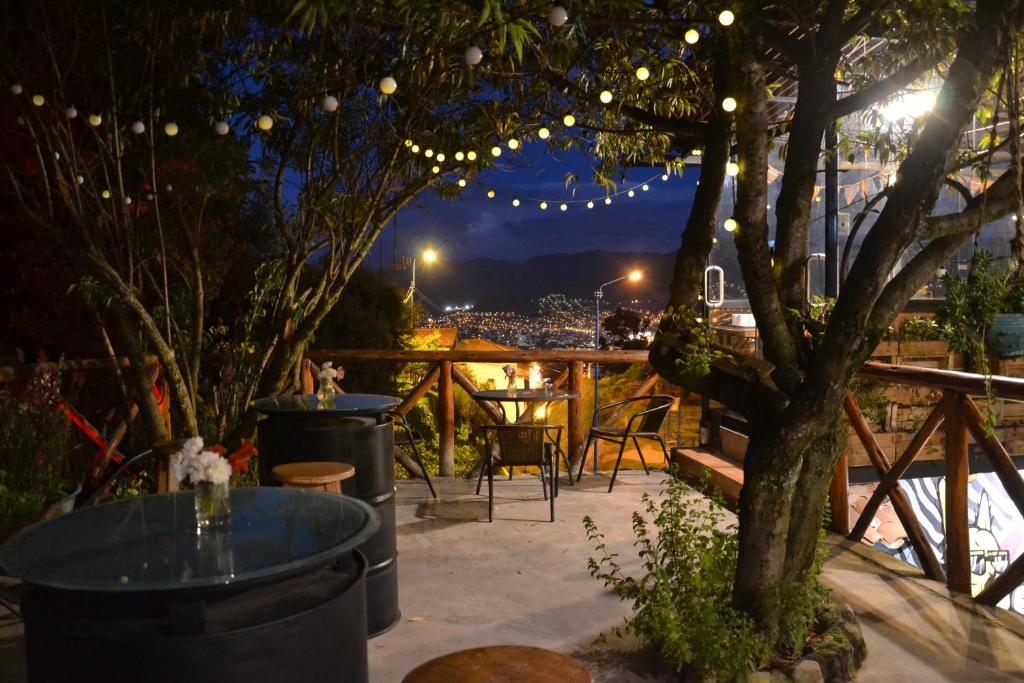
pixel 920 328
pixel 696 351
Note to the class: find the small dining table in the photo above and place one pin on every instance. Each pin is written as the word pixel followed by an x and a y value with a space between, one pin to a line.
pixel 502 396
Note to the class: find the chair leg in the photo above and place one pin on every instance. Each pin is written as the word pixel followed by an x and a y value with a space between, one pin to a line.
pixel 554 483
pixel 640 452
pixel 544 481
pixel 583 458
pixel 490 489
pixel 618 461
pixel 480 479
pixel 664 451
pixel 423 469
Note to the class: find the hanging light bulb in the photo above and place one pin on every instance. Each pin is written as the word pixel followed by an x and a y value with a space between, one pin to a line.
pixel 563 207
pixel 138 128
pixel 95 119
pixel 496 151
pixel 513 143
pixel 415 149
pixel 408 142
pixel 726 18
pixel 428 153
pixel 38 100
pixel 730 225
pixel 543 205
pixel 265 123
pixel 471 155
pixel 607 200
pixel 543 133
pixel 388 85
pixel 459 156
pixel 645 187
pixel 606 96
pixel 80 179
pixel 664 176
pixel 473 55
pixel 490 193
pixel 171 129
pixel 515 202
pixel 221 128
pixel 569 120
pixel 105 194
pixel 329 103
pixel 696 152
pixel 440 157
pixel 691 36
pixel 631 194
pixel 71 112
pixel 642 73
pixel 590 205
pixel 16 89
pixel 729 104
pixel 732 168
pixel 435 169
pixel 558 16
pixel 462 182
pixel 127 201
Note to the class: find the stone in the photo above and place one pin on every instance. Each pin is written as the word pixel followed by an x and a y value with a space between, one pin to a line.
pixel 807 671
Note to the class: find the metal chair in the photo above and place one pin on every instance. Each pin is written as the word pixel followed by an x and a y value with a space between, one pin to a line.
pixel 519 446
pixel 406 437
pixel 643 424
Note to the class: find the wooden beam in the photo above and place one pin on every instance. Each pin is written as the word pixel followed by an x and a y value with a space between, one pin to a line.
pixel 839 497
pixel 420 390
pixel 574 418
pixel 1002 464
pixel 467 384
pixel 1002 584
pixel 446 420
pixel 892 477
pixel 958 545
pixel 961 382
pixel 900 503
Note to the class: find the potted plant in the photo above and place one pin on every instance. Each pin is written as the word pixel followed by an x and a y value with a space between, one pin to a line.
pixel 34 438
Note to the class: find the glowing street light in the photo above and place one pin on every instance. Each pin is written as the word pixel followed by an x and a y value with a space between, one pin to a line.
pixel 429 256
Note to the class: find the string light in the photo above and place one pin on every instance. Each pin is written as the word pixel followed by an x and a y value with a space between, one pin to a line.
pixel 664 176
pixel 631 194
pixel 557 16
pixel 105 194
pixel 515 202
pixel 440 157
pixel 435 169
pixel 606 96
pixel 726 18
pixel 569 120
pixel 138 128
pixel 543 133
pixel 415 149
pixel 691 36
pixel 71 112
pixel 496 151
pixel 696 152
pixel 732 168
pixel 513 143
pixel 388 85
pixel 408 142
pixel 16 89
pixel 171 129
pixel 642 73
pixel 607 201
pixel 429 153
pixel 730 224
pixel 329 103
pixel 471 155
pixel 127 201
pixel 221 128
pixel 95 119
pixel 563 207
pixel 729 104
pixel 265 123
pixel 543 205
pixel 473 55
pixel 38 100
pixel 459 156
pixel 590 205
pixel 490 193
pixel 462 182
pixel 645 187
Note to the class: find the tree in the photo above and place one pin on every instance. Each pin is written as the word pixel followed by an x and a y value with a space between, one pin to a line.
pixel 626 328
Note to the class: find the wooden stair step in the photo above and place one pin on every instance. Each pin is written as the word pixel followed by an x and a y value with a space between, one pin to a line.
pixel 726 474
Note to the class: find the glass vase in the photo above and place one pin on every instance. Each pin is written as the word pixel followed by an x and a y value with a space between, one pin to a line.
pixel 325 394
pixel 213 505
pixel 511 388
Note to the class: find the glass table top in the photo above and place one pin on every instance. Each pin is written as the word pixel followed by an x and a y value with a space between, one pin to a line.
pixel 526 395
pixel 344 404
pixel 150 544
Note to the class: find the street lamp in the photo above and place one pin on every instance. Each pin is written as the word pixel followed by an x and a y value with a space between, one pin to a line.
pixel 632 276
pixel 429 256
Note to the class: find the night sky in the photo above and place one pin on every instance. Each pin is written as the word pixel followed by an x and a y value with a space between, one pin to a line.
pixel 477 226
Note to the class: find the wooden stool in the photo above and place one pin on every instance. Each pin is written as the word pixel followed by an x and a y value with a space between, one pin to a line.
pixel 501 664
pixel 321 476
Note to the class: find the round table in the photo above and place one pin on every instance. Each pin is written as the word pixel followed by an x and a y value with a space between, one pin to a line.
pixel 501 396
pixel 355 430
pixel 133 591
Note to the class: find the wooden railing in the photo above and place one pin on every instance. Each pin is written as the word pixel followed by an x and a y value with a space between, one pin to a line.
pixel 442 373
pixel 959 416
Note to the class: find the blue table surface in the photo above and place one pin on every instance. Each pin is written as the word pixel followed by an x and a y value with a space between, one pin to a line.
pixel 344 404
pixel 151 544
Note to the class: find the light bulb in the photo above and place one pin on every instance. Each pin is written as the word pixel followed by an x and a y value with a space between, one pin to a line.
pixel 221 128
pixel 490 194
pixel 440 157
pixel 515 202
pixel 459 156
pixel 730 224
pixel 71 112
pixel 462 182
pixel 543 205
pixel 607 200
pixel 726 18
pixel 429 153
pixel 563 207
pixel 473 55
pixel 435 169
pixel 127 201
pixel 590 205
pixel 415 149
pixel 642 73
pixel 329 103
pixel 729 104
pixel 696 152
pixel 513 143
pixel 664 176
pixel 732 168
pixel 569 120
pixel 388 85
pixel 691 36
pixel 105 194
pixel 606 96
pixel 80 179
pixel 16 89
pixel 631 194
pixel 557 16
pixel 543 133
pixel 471 155
pixel 408 142
pixel 171 129
pixel 95 119
pixel 496 151
pixel 38 100
pixel 138 128
pixel 265 123
pixel 645 187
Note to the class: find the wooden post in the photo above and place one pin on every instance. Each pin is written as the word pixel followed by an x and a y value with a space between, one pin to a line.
pixel 574 412
pixel 839 497
pixel 958 561
pixel 446 420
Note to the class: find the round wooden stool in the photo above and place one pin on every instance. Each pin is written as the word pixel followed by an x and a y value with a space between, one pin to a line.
pixel 501 664
pixel 322 476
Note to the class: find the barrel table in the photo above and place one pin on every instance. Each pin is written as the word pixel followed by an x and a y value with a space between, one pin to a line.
pixel 356 430
pixel 132 591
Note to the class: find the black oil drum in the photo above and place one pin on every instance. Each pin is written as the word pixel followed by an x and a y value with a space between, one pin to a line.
pixel 368 445
pixel 305 628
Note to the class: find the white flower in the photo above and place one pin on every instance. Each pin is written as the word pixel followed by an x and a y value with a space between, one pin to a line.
pixel 183 463
pixel 213 467
pixel 179 466
pixel 327 371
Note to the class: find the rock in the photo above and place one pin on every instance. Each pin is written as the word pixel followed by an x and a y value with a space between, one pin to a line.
pixel 807 671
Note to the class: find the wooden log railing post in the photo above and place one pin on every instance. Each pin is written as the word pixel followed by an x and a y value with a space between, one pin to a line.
pixel 467 385
pixel 574 414
pixel 839 497
pixel 446 420
pixel 420 390
pixel 958 560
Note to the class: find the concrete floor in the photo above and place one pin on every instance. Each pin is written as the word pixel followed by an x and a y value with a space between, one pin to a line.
pixel 523 580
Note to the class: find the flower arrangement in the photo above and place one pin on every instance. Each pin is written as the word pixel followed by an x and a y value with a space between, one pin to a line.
pixel 327 371
pixel 213 464
pixel 510 375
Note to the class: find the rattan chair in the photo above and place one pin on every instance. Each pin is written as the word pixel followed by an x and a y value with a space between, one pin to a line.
pixel 526 445
pixel 643 424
